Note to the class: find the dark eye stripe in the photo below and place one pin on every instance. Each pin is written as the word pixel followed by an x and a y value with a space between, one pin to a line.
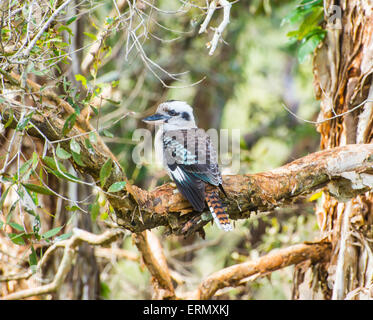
pixel 185 116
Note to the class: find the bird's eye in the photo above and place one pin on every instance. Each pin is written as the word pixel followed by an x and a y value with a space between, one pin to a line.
pixel 172 113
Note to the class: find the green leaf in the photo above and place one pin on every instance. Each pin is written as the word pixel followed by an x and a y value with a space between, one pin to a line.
pixel 62 153
pixel 78 159
pixel 71 20
pixel 104 215
pixel 69 124
pixel 65 175
pixel 3 196
pixel 64 28
pixel 105 290
pixel 71 208
pixel 38 189
pixel 25 170
pixel 51 163
pixel 92 137
pixel 92 36
pixel 16 226
pixel 10 120
pixel 95 210
pixel 109 20
pixel 25 167
pixel 51 233
pixel 74 146
pixel 35 160
pixel 107 133
pixel 113 101
pixel 309 46
pixel 311 22
pixel 17 238
pixel 32 259
pixel 117 186
pixel 82 79
pixel 23 124
pixel 94 109
pixel 105 171
pixel 64 236
pixel 88 144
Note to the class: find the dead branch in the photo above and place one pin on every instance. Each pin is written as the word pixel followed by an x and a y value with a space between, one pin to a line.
pixel 17 276
pixel 277 259
pixel 155 260
pixel 70 246
pixel 226 5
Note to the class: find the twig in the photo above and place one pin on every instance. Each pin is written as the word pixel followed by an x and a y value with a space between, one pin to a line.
pixel 219 31
pixel 328 119
pixel 210 12
pixel 196 246
pixel 17 276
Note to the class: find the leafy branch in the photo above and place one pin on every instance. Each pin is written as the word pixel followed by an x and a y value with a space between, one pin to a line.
pixel 309 15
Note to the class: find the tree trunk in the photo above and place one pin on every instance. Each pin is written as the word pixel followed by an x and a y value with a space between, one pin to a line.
pixel 343 68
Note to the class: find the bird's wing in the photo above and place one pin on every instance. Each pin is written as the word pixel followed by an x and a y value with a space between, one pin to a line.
pixel 191 160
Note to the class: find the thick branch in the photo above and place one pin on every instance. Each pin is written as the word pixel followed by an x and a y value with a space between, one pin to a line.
pixel 346 171
pixel 277 259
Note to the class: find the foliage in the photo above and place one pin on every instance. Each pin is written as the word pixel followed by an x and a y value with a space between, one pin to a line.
pixel 309 15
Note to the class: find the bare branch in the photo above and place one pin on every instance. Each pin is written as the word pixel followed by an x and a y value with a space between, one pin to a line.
pixel 226 5
pixel 277 259
pixel 210 12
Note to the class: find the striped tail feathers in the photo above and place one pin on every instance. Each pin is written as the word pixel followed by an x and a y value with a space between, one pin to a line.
pixel 217 208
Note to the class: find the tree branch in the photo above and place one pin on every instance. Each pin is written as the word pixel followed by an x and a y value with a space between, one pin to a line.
pixel 277 259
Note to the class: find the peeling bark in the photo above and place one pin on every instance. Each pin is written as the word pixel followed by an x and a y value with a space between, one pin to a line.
pixel 343 68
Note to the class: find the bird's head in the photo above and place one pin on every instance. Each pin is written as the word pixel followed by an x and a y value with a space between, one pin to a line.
pixel 173 115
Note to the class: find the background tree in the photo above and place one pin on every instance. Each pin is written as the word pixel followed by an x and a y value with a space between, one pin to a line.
pixel 78 76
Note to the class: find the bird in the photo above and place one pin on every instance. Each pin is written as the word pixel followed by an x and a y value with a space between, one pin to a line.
pixel 189 158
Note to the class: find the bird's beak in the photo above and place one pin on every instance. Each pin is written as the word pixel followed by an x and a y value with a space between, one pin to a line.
pixel 156 118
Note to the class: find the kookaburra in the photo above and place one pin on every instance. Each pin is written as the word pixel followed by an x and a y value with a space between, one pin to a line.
pixel 189 158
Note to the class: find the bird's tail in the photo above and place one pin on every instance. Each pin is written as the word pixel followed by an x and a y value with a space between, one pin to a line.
pixel 217 208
